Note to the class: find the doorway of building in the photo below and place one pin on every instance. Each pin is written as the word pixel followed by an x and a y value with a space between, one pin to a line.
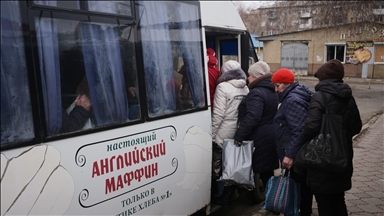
pixel 294 56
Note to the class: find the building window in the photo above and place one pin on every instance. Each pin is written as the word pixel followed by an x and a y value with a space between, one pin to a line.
pixel 338 9
pixel 336 52
pixel 262 24
pixel 379 53
pixel 379 18
pixel 304 21
pixel 378 5
pixel 272 15
pixel 339 20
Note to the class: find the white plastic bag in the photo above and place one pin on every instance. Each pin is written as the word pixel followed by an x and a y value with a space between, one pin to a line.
pixel 237 163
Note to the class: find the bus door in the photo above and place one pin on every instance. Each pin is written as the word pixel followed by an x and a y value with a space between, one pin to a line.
pixel 240 50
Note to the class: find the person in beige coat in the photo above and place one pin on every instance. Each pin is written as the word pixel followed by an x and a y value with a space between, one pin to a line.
pixel 230 90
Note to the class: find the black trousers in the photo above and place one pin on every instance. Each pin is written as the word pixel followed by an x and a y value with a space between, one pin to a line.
pixel 305 192
pixel 331 204
pixel 266 176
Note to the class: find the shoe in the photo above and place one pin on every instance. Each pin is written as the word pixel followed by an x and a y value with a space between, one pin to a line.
pixel 275 213
pixel 226 197
pixel 251 195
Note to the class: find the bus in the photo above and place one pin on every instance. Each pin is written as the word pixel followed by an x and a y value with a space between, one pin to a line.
pixel 105 104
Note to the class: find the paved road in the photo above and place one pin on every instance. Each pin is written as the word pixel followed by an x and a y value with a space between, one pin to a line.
pixel 366 197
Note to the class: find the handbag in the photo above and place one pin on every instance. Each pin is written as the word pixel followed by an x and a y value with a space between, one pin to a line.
pixel 282 194
pixel 237 163
pixel 216 160
pixel 326 150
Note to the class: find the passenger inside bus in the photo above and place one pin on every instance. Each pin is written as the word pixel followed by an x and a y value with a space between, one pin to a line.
pixel 78 115
pixel 185 93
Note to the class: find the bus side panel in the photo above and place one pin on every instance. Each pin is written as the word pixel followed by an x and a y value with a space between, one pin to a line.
pixel 154 169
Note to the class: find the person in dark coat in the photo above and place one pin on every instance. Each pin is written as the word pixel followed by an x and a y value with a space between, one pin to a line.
pixel 288 124
pixel 75 118
pixel 256 113
pixel 329 187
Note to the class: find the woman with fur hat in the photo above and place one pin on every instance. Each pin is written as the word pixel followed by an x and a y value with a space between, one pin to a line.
pixel 329 187
pixel 288 124
pixel 256 113
pixel 230 90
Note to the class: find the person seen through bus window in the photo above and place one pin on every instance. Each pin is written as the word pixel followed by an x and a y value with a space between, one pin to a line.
pixel 230 90
pixel 256 113
pixel 77 115
pixel 185 93
pixel 288 124
pixel 213 72
pixel 329 186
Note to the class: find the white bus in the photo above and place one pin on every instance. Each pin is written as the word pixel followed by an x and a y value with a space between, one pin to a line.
pixel 143 146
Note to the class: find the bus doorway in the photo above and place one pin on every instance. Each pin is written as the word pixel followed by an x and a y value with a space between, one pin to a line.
pixel 230 46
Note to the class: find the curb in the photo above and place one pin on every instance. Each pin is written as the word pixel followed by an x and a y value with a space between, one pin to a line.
pixel 364 128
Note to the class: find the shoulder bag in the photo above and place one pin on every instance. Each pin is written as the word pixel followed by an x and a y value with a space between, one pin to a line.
pixel 326 150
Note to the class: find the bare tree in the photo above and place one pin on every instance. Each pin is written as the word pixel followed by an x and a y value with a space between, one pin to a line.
pixel 290 16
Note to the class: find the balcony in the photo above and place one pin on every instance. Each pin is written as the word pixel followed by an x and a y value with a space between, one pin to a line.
pixel 272 16
pixel 305 15
pixel 378 11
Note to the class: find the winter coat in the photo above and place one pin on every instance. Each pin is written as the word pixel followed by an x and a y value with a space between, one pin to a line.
pixel 213 73
pixel 75 120
pixel 289 119
pixel 230 90
pixel 340 101
pixel 256 113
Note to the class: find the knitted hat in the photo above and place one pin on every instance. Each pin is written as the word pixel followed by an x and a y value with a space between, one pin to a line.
pixel 258 69
pixel 332 69
pixel 230 65
pixel 283 75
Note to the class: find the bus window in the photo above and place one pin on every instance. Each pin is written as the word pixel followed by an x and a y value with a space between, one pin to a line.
pixel 171 31
pixel 229 50
pixel 63 4
pixel 91 59
pixel 16 111
pixel 113 7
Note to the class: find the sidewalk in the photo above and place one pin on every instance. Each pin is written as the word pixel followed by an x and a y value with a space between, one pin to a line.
pixel 367 194
pixel 366 198
pixel 298 78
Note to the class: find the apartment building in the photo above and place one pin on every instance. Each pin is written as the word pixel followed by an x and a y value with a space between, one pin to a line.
pixel 291 16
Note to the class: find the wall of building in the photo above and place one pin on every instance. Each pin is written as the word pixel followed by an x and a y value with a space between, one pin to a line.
pixel 317 40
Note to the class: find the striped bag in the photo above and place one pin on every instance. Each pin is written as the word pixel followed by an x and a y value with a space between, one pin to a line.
pixel 282 194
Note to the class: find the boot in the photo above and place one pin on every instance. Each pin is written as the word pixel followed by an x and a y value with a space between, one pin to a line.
pixel 226 197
